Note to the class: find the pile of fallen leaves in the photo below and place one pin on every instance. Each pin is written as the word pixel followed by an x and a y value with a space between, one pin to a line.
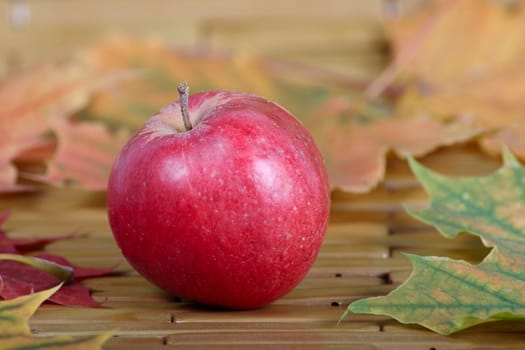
pixel 455 67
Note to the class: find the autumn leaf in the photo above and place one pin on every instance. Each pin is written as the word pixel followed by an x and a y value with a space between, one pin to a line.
pixel 16 313
pixel 15 332
pixel 355 153
pixel 25 245
pixel 448 295
pixel 84 155
pixel 353 133
pixel 62 272
pixel 156 69
pixel 10 245
pixel 462 60
pixel 465 295
pixel 80 273
pixel 21 278
pixel 457 40
pixel 22 274
pixel 30 100
pixel 76 136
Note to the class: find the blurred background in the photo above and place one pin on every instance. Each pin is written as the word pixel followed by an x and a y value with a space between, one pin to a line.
pixel 369 79
pixel 343 36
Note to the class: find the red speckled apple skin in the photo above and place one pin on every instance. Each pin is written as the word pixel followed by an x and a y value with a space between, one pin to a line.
pixel 231 213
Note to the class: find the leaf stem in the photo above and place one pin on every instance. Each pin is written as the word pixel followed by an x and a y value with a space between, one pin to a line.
pixel 184 92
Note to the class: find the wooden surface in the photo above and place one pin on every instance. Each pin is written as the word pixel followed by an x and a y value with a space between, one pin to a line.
pixel 360 257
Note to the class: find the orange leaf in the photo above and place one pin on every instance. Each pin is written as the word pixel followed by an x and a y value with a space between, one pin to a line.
pixel 355 154
pixel 29 102
pixel 8 179
pixel 157 69
pixel 469 65
pixel 513 137
pixel 457 40
pixel 84 155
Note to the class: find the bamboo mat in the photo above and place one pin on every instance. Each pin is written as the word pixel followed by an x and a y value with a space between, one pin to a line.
pixel 361 256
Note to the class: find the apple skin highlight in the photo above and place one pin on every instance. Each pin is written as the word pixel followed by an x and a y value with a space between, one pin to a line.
pixel 231 213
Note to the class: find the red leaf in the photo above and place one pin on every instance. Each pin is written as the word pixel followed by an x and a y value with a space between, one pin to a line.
pixel 79 272
pixel 6 244
pixel 17 279
pixel 24 245
pixel 4 217
pixel 20 279
pixel 74 294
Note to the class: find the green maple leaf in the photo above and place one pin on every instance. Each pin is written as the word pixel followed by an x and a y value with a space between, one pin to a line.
pixel 447 295
pixel 15 332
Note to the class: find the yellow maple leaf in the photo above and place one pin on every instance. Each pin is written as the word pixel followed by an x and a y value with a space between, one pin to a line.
pixel 15 332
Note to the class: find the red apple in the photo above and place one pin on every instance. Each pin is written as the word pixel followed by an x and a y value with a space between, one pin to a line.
pixel 228 208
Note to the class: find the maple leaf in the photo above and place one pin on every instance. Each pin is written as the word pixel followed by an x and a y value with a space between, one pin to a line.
pixel 24 245
pixel 29 101
pixel 80 273
pixel 448 295
pixel 62 272
pixel 20 278
pixel 84 155
pixel 457 40
pixel 21 274
pixel 15 332
pixel 84 144
pixel 158 69
pixel 462 60
pixel 355 152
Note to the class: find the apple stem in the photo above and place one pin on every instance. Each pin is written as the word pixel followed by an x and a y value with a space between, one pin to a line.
pixel 184 91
